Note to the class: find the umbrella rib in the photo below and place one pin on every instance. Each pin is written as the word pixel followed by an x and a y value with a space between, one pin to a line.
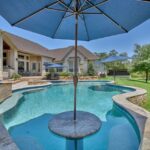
pixel 61 20
pixel 66 6
pixel 100 3
pixel 110 18
pixel 86 28
pixel 68 16
pixel 55 9
pixel 32 14
pixel 89 13
pixel 82 5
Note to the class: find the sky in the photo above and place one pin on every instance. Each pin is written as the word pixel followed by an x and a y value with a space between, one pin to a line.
pixel 121 43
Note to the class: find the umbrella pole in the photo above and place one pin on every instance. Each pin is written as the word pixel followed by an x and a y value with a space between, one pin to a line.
pixel 75 77
pixel 114 75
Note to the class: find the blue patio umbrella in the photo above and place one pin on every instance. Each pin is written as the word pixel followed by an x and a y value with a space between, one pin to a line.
pixel 111 59
pixel 75 19
pixel 114 59
pixel 52 65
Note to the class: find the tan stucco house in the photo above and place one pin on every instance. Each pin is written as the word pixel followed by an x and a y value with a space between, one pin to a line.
pixel 19 55
pixel 65 57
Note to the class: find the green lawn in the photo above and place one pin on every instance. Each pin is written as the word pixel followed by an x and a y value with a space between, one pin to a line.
pixel 137 83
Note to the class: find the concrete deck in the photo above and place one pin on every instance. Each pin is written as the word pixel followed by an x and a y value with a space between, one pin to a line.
pixel 6 142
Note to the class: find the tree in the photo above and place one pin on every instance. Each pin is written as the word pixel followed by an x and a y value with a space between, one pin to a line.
pixel 91 71
pixel 143 66
pixel 141 61
pixel 124 54
pixel 113 53
pixel 141 52
pixel 102 55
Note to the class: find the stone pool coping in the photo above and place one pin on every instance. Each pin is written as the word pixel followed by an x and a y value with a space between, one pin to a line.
pixel 141 116
pixel 30 86
pixel 13 100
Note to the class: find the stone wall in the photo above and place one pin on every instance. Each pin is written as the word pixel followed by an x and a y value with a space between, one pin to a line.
pixel 5 91
pixel 138 99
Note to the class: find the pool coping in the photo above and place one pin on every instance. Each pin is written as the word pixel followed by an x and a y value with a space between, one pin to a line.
pixel 31 86
pixel 141 116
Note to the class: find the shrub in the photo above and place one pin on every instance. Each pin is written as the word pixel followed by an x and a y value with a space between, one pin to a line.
pixel 91 71
pixel 15 76
pixel 137 75
pixel 48 75
pixel 65 74
pixel 83 74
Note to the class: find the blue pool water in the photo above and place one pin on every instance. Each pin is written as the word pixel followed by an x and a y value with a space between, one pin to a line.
pixel 27 123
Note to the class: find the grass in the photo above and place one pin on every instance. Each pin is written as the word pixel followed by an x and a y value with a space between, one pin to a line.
pixel 138 83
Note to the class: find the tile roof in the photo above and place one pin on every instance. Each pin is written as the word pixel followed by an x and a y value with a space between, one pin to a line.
pixel 31 47
pixel 27 46
pixel 60 54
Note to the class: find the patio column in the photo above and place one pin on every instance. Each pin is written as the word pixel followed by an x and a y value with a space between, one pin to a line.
pixel 43 72
pixel 15 59
pixel 1 57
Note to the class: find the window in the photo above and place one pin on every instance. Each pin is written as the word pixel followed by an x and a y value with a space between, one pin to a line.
pixel 23 62
pixel 21 66
pixel 39 67
pixel 33 66
pixel 4 62
pixel 4 59
pixel 21 56
pixel 59 69
pixel 71 65
pixel 27 66
pixel 27 57
pixel 4 54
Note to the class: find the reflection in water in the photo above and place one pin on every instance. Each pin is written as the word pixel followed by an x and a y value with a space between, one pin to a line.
pixel 109 88
pixel 74 144
pixel 117 133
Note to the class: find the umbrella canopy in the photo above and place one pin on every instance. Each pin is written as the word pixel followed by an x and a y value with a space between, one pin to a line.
pixel 111 59
pixel 52 65
pixel 115 58
pixel 75 19
pixel 56 18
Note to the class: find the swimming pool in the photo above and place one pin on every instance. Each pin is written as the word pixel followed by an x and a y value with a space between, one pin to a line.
pixel 27 123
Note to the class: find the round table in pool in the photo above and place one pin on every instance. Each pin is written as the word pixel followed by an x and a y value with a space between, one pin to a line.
pixel 63 124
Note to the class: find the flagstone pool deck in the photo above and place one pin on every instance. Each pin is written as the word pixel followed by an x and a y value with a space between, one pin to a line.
pixel 126 101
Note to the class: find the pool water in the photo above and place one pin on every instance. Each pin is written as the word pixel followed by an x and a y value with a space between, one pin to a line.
pixel 27 123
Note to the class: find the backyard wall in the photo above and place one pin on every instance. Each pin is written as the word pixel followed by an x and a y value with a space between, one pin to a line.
pixel 5 91
pixel 138 99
